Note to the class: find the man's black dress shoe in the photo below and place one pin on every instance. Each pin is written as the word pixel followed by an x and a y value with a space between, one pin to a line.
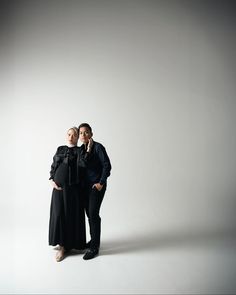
pixel 91 253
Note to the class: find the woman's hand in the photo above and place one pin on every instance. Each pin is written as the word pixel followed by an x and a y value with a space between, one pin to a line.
pixel 55 185
pixel 90 144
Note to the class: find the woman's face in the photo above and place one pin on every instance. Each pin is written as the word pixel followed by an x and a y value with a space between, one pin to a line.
pixel 72 137
pixel 84 134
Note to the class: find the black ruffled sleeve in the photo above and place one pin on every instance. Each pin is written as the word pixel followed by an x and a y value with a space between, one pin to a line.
pixel 57 159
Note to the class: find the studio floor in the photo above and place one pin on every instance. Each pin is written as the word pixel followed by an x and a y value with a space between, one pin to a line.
pixel 149 263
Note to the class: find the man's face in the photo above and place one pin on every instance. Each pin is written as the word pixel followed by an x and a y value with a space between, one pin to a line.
pixel 84 134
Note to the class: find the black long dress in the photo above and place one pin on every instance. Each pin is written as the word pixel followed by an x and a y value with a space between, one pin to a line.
pixel 67 217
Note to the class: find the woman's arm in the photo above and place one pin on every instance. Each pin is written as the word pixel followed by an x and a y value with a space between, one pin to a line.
pixel 56 162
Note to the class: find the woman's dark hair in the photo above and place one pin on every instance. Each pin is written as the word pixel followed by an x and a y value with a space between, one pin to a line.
pixel 86 125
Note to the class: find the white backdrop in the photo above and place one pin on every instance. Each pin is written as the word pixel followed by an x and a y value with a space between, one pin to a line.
pixel 156 81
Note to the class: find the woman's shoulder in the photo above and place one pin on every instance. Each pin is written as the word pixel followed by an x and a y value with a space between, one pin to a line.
pixel 61 148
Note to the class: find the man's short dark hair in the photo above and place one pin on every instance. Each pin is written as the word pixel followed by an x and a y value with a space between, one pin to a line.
pixel 86 125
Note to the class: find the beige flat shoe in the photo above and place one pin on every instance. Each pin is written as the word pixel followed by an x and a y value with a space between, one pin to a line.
pixel 57 248
pixel 60 255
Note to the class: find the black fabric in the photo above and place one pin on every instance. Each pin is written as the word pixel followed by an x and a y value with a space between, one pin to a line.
pixel 75 158
pixel 62 174
pixel 67 217
pixel 98 165
pixel 93 201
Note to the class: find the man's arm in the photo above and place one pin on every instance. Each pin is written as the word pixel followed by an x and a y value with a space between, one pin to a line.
pixel 106 164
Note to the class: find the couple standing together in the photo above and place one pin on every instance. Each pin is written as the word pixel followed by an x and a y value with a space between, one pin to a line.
pixel 79 179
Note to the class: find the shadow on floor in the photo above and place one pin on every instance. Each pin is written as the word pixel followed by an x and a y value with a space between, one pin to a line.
pixel 170 240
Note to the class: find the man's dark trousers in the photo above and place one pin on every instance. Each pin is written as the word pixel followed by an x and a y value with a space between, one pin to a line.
pixel 93 200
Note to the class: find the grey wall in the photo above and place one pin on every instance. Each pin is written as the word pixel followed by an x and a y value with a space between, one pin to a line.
pixel 155 79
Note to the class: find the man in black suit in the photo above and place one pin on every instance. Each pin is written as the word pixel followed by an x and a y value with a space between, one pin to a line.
pixel 97 171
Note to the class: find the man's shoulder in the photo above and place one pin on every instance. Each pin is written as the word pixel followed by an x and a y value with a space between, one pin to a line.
pixel 98 145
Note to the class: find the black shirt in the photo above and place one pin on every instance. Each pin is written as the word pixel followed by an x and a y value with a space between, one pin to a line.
pixel 98 166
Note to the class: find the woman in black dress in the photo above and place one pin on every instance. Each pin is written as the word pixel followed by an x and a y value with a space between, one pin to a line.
pixel 67 219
